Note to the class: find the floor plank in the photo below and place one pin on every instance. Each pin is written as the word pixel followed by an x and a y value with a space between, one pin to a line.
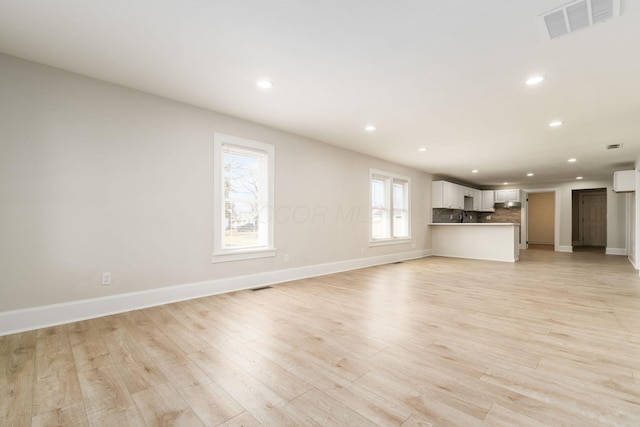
pixel 211 403
pixel 162 405
pixel 17 376
pixel 72 416
pixel 106 396
pixel 326 411
pixel 245 419
pixel 56 384
pixel 264 404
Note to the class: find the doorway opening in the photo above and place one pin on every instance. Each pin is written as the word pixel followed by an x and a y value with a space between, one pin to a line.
pixel 589 220
pixel 544 217
pixel 541 212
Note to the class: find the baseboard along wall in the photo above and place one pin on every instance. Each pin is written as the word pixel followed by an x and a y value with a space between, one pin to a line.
pixel 57 314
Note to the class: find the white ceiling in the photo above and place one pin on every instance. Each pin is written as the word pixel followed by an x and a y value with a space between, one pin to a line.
pixel 446 75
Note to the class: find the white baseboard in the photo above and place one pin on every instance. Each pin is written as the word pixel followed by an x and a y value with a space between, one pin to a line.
pixel 616 251
pixel 561 248
pixel 57 314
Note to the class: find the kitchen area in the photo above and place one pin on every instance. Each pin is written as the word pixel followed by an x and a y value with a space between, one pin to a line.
pixel 478 224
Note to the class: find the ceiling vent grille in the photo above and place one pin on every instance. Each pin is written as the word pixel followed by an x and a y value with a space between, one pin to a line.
pixel 577 15
pixel 613 146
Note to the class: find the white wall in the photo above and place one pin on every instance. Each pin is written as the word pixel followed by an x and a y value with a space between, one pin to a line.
pixel 96 177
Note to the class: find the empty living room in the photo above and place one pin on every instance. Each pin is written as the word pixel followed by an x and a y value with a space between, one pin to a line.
pixel 278 213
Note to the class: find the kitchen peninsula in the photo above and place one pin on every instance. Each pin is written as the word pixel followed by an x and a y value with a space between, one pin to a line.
pixel 486 241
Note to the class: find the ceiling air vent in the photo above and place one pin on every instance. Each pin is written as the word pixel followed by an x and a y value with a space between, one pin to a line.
pixel 613 146
pixel 579 14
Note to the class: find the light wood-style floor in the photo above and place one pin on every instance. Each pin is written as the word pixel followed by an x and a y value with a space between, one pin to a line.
pixel 551 340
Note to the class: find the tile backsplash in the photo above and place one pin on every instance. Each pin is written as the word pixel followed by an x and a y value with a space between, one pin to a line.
pixel 454 216
pixel 501 215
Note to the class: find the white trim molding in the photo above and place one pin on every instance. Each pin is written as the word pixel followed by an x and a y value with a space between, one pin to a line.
pixel 616 251
pixel 389 179
pixel 57 314
pixel 265 185
pixel 243 255
pixel 384 242
pixel 524 224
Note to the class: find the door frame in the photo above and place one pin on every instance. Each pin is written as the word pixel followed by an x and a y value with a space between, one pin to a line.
pixel 524 217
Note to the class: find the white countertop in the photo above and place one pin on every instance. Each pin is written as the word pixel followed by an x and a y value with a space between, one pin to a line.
pixel 476 223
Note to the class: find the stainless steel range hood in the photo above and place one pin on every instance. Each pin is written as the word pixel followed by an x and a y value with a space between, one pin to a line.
pixel 508 205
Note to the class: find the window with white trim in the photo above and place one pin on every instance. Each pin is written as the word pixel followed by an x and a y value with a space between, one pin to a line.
pixel 243 198
pixel 390 214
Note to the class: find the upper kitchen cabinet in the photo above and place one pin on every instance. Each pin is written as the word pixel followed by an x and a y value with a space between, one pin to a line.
pixel 488 200
pixel 477 200
pixel 447 195
pixel 466 191
pixel 503 196
pixel 624 181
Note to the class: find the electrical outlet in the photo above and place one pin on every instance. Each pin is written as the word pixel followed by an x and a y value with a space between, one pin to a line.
pixel 450 216
pixel 413 246
pixel 106 279
pixel 286 258
pixel 488 217
pixel 361 250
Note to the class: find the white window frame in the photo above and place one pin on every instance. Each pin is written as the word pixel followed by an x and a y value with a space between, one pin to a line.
pixel 391 240
pixel 221 254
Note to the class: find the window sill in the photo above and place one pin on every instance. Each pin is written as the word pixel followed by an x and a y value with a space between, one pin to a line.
pixel 384 242
pixel 241 255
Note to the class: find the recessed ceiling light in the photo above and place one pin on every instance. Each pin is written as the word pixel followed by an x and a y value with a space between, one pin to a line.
pixel 572 160
pixel 534 80
pixel 422 149
pixel 264 84
pixel 578 177
pixel 555 123
pixel 370 128
pixel 530 174
pixel 474 171
pixel 505 183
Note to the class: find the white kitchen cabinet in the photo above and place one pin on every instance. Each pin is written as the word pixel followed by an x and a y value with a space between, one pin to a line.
pixel 447 195
pixel 477 200
pixel 512 195
pixel 488 197
pixel 466 191
pixel 624 181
